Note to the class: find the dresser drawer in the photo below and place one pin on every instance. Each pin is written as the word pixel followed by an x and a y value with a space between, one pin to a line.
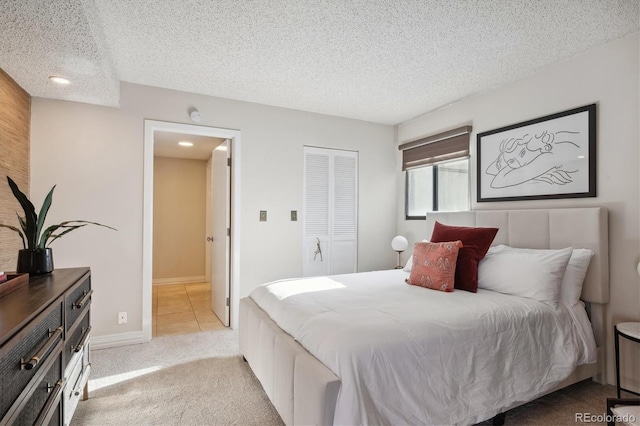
pixel 77 337
pixel 44 405
pixel 22 357
pixel 76 377
pixel 76 300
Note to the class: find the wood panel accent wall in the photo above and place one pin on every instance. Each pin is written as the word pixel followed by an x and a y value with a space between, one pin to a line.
pixel 15 120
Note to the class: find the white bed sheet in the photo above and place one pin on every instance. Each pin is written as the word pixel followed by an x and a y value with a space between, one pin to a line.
pixel 410 355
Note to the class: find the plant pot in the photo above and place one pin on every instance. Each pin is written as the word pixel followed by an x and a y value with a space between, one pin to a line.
pixel 35 261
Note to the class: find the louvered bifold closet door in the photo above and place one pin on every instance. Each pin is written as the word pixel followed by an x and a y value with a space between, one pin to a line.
pixel 316 212
pixel 344 230
pixel 330 211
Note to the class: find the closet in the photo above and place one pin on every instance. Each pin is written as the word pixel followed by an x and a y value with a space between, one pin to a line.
pixel 330 212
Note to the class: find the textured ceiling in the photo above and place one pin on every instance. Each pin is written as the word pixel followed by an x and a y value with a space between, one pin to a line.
pixel 40 38
pixel 377 60
pixel 165 144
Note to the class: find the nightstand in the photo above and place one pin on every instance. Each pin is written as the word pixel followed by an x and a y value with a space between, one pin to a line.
pixel 630 331
pixel 625 411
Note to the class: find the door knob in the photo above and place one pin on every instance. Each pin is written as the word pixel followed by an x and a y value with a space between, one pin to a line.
pixel 210 239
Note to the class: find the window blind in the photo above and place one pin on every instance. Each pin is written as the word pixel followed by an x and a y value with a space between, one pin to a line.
pixel 436 148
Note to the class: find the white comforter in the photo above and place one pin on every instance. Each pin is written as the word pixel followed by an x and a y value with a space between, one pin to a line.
pixel 410 355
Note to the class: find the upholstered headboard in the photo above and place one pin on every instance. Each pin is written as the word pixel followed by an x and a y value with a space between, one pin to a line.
pixel 544 229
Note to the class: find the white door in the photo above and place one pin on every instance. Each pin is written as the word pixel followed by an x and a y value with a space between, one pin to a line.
pixel 316 212
pixel 220 213
pixel 344 208
pixel 208 224
pixel 330 212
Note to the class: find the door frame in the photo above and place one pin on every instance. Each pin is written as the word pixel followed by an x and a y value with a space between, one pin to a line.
pixel 150 126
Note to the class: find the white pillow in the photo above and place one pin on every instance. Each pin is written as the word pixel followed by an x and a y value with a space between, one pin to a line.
pixel 499 247
pixel 535 274
pixel 407 266
pixel 571 288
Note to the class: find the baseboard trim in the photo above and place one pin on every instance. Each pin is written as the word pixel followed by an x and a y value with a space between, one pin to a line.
pixel 179 280
pixel 115 340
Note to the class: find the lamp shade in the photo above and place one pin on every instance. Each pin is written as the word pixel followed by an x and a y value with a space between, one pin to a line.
pixel 399 243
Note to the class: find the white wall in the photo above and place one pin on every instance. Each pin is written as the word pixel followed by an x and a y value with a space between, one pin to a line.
pixel 607 76
pixel 94 154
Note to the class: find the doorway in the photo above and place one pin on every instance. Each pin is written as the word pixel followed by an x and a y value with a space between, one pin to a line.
pixel 231 140
pixel 182 217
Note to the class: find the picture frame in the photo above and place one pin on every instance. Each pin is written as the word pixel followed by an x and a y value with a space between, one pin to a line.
pixel 549 157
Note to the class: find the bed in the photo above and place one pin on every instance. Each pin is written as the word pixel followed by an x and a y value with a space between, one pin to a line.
pixel 305 390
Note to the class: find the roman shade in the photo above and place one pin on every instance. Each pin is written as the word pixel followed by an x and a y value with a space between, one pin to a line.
pixel 436 148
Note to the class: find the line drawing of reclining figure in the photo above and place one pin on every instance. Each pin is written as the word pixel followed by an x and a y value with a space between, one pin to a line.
pixel 524 155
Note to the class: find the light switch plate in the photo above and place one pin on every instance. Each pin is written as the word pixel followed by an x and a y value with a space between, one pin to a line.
pixel 294 215
pixel 263 215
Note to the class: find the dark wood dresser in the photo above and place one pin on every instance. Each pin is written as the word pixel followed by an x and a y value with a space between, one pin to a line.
pixel 44 348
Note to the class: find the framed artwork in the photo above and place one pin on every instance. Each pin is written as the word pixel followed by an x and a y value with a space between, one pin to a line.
pixel 549 157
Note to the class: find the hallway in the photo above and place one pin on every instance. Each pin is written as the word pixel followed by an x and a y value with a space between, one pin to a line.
pixel 183 309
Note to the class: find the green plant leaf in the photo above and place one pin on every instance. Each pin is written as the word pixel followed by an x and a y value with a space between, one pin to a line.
pixel 66 231
pixel 23 224
pixel 30 216
pixel 43 212
pixel 66 223
pixel 49 232
pixel 46 234
pixel 13 228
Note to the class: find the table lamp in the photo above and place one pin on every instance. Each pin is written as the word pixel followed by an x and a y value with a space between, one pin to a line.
pixel 399 244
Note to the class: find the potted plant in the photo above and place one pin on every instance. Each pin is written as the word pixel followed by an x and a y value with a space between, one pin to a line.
pixel 36 256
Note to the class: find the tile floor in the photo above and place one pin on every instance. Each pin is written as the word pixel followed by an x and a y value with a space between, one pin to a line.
pixel 183 309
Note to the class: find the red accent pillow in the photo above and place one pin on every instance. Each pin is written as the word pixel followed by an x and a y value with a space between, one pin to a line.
pixel 476 242
pixel 434 265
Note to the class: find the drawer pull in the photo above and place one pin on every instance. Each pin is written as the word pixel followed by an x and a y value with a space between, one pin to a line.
pixel 82 381
pixel 83 341
pixel 32 361
pixel 83 300
pixel 51 404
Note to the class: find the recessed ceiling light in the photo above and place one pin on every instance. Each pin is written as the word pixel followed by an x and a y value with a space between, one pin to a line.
pixel 59 80
pixel 185 143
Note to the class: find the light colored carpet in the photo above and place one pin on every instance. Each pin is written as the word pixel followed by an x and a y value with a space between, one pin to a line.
pixel 194 379
pixel 200 379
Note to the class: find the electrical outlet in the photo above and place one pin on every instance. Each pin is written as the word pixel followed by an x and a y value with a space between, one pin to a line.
pixel 263 215
pixel 122 317
pixel 294 215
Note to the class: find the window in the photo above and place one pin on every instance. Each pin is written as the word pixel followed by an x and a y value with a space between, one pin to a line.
pixel 437 173
pixel 440 187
